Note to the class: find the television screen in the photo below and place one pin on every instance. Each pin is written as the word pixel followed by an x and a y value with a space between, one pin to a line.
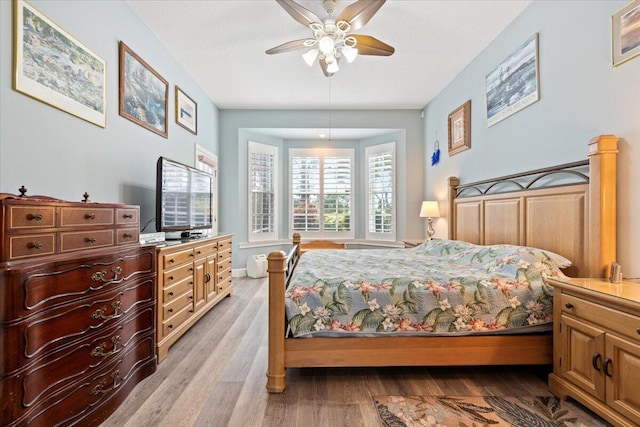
pixel 183 197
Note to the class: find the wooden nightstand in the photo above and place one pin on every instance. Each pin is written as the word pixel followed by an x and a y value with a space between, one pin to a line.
pixel 412 243
pixel 596 346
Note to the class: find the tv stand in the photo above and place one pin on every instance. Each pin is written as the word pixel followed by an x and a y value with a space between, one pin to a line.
pixel 193 276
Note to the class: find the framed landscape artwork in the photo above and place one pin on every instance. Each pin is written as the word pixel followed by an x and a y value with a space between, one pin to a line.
pixel 144 94
pixel 57 69
pixel 186 112
pixel 514 84
pixel 625 33
pixel 459 126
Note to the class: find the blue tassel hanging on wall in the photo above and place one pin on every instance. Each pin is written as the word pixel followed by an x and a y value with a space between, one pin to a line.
pixel 435 157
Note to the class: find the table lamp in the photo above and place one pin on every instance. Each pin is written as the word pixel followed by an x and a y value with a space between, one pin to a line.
pixel 430 210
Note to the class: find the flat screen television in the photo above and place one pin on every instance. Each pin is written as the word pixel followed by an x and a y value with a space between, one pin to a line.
pixel 183 197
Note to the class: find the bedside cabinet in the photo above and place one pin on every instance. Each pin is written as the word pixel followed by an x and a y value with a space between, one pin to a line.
pixel 596 346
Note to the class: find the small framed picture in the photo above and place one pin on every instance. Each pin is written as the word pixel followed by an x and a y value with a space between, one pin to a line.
pixel 460 128
pixel 625 33
pixel 144 94
pixel 186 112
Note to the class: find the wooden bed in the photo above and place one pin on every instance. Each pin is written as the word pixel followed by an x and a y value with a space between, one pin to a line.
pixel 575 219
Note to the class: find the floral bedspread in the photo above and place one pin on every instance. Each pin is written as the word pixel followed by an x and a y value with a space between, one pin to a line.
pixel 441 286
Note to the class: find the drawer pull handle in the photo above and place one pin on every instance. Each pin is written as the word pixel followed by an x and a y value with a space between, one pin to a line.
pixel 170 310
pixel 127 215
pixel 100 388
pixel 100 276
pixel 191 270
pixel 569 305
pixel 100 313
pixel 170 277
pixel 638 331
pixel 35 245
pixel 171 261
pixel 34 217
pixel 170 294
pixel 607 363
pixel 90 216
pixel 191 297
pixel 198 252
pixel 190 311
pixel 191 255
pixel 170 326
pixel 99 351
pixel 90 239
pixel 597 357
pixel 128 235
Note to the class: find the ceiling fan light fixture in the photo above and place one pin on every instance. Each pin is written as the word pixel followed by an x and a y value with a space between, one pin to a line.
pixel 350 53
pixel 310 57
pixel 332 67
pixel 326 45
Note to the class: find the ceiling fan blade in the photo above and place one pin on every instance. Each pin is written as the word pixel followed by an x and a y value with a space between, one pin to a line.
pixel 299 13
pixel 368 45
pixel 287 47
pixel 360 12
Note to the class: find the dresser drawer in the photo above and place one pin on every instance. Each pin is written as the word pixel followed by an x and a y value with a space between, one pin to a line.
pixel 126 216
pixel 126 235
pixel 31 217
pixel 176 258
pixel 34 245
pixel 177 274
pixel 224 264
pixel 614 320
pixel 224 275
pixel 225 244
pixel 74 217
pixel 224 255
pixel 72 241
pixel 67 366
pixel 205 250
pixel 172 324
pixel 115 378
pixel 177 289
pixel 63 325
pixel 176 304
pixel 223 285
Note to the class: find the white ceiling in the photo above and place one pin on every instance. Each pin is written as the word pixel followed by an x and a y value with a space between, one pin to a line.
pixel 222 43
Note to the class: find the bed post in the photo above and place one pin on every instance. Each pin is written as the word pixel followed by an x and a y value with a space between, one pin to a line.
pixel 296 241
pixel 601 248
pixel 453 183
pixel 277 268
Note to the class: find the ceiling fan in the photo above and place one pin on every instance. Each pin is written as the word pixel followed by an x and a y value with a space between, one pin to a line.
pixel 333 38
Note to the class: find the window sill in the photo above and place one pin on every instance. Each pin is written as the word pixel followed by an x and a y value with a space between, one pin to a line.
pixel 359 242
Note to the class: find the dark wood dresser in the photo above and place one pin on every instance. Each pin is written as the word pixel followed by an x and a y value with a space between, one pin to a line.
pixel 77 310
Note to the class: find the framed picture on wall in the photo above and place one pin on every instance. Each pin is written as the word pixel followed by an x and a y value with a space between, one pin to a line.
pixel 514 84
pixel 460 128
pixel 144 94
pixel 54 67
pixel 186 112
pixel 625 33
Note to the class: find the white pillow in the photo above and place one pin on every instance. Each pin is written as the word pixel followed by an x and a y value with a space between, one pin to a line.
pixel 559 260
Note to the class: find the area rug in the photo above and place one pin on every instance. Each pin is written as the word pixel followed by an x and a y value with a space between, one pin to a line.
pixel 480 411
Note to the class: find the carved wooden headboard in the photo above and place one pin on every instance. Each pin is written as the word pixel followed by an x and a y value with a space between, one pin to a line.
pixel 569 209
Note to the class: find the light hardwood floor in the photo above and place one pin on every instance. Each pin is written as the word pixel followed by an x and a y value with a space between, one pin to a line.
pixel 215 376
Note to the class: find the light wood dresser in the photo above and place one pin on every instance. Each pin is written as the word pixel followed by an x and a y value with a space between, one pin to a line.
pixel 77 310
pixel 193 276
pixel 597 346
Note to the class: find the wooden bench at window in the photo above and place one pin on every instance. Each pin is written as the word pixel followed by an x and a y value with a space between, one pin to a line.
pixel 316 244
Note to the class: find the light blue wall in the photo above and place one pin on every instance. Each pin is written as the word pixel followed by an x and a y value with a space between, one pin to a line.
pixel 581 96
pixel 236 129
pixel 54 153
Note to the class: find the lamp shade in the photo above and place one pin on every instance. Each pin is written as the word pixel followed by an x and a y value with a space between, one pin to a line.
pixel 429 209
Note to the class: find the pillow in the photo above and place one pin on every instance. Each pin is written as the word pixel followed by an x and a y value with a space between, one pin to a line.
pixel 559 260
